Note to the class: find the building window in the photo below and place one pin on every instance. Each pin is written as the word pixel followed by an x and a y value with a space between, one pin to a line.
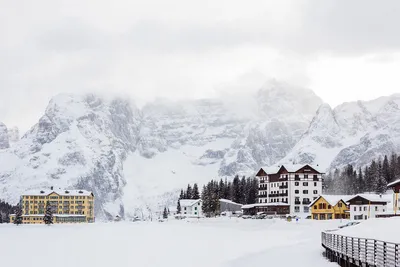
pixel 296 177
pixel 195 213
pixel 376 208
pixel 305 184
pixel 305 176
pixel 195 208
pixel 360 208
pixel 315 183
pixel 296 183
pixel 305 191
pixel 315 192
pixel 306 209
pixel 296 191
pixel 329 206
pixel 365 208
pixel 315 207
pixel 340 204
pixel 184 208
pixel 296 209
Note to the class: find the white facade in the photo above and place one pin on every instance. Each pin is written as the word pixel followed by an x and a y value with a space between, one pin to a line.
pixel 365 206
pixel 364 212
pixel 296 185
pixel 191 207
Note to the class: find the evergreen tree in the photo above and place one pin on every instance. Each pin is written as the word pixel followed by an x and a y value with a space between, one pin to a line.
pixel 195 192
pixel 393 166
pixel 1 218
pixel 18 215
pixel 165 213
pixel 182 195
pixel 48 216
pixel 221 188
pixel 205 197
pixel 236 190
pixel 360 182
pixel 178 207
pixel 252 191
pixel 189 192
pixel 386 173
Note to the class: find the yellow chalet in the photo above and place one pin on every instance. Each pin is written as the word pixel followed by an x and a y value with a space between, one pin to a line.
pixel 328 207
pixel 68 206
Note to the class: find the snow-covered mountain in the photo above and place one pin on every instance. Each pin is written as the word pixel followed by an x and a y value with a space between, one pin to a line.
pixel 4 141
pixel 352 133
pixel 135 160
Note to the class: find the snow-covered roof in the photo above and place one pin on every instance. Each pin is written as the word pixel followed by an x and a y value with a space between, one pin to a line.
pixel 332 199
pixel 59 192
pixel 394 183
pixel 273 204
pixel 289 167
pixel 229 201
pixel 374 197
pixel 188 202
pixel 172 209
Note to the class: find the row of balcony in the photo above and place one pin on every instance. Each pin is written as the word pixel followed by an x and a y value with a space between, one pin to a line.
pixel 275 195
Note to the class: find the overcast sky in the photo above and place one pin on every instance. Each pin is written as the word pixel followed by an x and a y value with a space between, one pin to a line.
pixel 343 50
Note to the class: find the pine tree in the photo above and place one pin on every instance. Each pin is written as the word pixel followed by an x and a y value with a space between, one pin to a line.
pixel 1 218
pixel 195 192
pixel 205 201
pixel 178 207
pixel 18 215
pixel 236 192
pixel 165 213
pixel 182 195
pixel 189 192
pixel 393 166
pixel 360 182
pixel 48 216
pixel 386 170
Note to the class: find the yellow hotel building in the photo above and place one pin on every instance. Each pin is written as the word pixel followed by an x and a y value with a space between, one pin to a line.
pixel 328 207
pixel 68 206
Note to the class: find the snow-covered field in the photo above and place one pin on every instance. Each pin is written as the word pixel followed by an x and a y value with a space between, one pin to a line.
pixel 211 242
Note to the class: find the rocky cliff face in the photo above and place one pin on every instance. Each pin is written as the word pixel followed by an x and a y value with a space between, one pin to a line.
pixel 134 159
pixel 4 141
pixel 352 133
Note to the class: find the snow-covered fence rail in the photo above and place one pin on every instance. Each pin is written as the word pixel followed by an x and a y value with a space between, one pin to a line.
pixel 353 251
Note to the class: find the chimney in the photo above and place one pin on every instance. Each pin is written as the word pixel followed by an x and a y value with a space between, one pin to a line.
pixel 51 188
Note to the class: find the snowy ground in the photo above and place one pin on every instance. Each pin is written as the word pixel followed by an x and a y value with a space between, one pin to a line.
pixel 214 242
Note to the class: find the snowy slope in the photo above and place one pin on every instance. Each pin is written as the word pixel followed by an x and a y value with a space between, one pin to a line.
pixel 135 160
pixel 352 133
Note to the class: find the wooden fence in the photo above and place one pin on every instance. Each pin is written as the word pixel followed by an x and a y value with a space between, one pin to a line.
pixel 353 251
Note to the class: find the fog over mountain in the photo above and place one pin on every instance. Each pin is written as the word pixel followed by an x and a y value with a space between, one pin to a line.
pixel 135 159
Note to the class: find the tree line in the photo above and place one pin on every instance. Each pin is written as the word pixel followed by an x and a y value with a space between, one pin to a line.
pixel 5 210
pixel 240 190
pixel 372 178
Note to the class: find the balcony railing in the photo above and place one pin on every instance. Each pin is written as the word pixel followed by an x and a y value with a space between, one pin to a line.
pixel 283 194
pixel 283 187
pixel 306 202
pixel 297 202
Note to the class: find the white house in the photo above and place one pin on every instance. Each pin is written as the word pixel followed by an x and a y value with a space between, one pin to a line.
pixel 296 185
pixel 365 206
pixel 191 207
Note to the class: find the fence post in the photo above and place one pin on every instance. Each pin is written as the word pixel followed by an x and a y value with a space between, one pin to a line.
pixel 375 263
pixel 384 253
pixel 396 254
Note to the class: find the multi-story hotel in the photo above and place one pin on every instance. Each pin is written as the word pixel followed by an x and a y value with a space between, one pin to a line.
pixel 296 185
pixel 68 206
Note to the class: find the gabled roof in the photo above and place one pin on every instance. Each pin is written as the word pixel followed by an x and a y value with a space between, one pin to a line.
pixel 188 202
pixel 394 183
pixel 332 199
pixel 291 168
pixel 373 197
pixel 229 201
pixel 59 192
